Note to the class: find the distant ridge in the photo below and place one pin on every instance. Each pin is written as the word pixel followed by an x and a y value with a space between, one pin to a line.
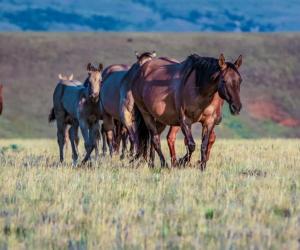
pixel 150 15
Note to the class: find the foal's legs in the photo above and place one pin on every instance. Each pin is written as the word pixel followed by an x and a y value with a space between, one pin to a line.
pixel 103 135
pixel 61 128
pixel 73 133
pixel 171 138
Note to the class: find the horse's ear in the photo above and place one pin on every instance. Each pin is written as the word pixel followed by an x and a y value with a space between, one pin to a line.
pixel 71 77
pixel 153 53
pixel 238 62
pixel 222 62
pixel 137 54
pixel 89 67
pixel 60 77
pixel 100 68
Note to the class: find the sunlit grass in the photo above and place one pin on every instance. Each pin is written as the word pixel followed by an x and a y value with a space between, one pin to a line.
pixel 247 199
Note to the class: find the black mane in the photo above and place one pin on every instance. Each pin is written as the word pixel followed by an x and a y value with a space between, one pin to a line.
pixel 205 68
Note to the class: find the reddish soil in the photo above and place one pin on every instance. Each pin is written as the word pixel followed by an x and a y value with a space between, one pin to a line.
pixel 268 110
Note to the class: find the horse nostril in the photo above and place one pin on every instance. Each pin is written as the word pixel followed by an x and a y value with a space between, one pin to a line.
pixel 233 107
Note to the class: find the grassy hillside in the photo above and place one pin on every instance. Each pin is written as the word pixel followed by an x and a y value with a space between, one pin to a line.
pixel 247 199
pixel 30 63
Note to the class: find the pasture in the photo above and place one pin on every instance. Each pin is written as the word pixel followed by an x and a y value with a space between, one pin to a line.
pixel 248 198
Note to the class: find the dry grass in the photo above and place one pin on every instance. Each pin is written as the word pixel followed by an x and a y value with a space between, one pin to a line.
pixel 247 199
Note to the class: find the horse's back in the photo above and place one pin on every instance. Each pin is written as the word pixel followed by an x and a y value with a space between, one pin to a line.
pixel 113 68
pixel 157 89
pixel 66 98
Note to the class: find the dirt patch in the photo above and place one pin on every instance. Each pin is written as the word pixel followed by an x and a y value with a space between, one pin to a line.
pixel 268 110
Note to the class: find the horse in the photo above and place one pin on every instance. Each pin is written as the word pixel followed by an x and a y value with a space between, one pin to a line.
pixel 211 114
pixel 177 94
pixel 78 103
pixel 1 99
pixel 110 98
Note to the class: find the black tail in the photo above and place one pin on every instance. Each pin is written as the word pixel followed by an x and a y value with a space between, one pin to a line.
pixel 143 133
pixel 51 116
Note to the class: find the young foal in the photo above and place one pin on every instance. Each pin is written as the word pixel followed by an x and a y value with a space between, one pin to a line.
pixel 78 104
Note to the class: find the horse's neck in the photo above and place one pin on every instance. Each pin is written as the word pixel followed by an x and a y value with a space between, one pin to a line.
pixel 198 97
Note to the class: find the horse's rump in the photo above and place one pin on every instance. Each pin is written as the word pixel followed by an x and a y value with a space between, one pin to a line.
pixel 113 68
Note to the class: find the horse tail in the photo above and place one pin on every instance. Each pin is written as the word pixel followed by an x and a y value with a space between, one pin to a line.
pixel 51 116
pixel 143 133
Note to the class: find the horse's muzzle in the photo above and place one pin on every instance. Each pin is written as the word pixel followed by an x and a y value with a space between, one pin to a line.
pixel 235 108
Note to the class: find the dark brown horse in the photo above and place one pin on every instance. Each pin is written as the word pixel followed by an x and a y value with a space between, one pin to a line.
pixel 177 94
pixel 111 97
pixel 1 99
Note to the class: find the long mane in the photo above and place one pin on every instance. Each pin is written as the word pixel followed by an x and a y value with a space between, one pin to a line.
pixel 205 68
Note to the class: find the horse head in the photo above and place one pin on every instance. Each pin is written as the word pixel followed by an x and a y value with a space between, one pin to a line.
pixel 93 81
pixel 229 83
pixel 145 57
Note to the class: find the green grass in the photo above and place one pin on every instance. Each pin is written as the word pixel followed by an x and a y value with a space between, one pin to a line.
pixel 247 199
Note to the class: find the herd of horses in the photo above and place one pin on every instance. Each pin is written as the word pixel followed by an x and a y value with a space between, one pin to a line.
pixel 138 102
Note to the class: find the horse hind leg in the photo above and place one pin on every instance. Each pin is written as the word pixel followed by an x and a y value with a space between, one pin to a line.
pixel 61 132
pixel 171 138
pixel 73 133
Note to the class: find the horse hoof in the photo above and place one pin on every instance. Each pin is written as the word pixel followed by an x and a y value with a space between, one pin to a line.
pixel 202 165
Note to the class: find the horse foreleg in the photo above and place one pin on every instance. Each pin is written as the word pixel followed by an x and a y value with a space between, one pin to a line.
pixel 124 136
pixel 206 132
pixel 96 131
pixel 186 127
pixel 171 138
pixel 211 141
pixel 87 142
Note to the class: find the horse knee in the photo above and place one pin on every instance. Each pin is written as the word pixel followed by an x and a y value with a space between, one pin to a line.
pixel 171 139
pixel 212 137
pixel 192 147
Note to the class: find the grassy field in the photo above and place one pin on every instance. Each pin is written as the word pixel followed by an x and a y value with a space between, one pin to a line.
pixel 247 199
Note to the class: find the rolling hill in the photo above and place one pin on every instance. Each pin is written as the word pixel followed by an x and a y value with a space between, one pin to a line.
pixel 30 63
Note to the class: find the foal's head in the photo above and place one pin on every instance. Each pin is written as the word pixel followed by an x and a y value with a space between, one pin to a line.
pixel 94 81
pixel 145 57
pixel 229 84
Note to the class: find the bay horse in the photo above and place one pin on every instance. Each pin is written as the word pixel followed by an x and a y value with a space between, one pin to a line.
pixel 111 97
pixel 177 94
pixel 1 99
pixel 78 103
